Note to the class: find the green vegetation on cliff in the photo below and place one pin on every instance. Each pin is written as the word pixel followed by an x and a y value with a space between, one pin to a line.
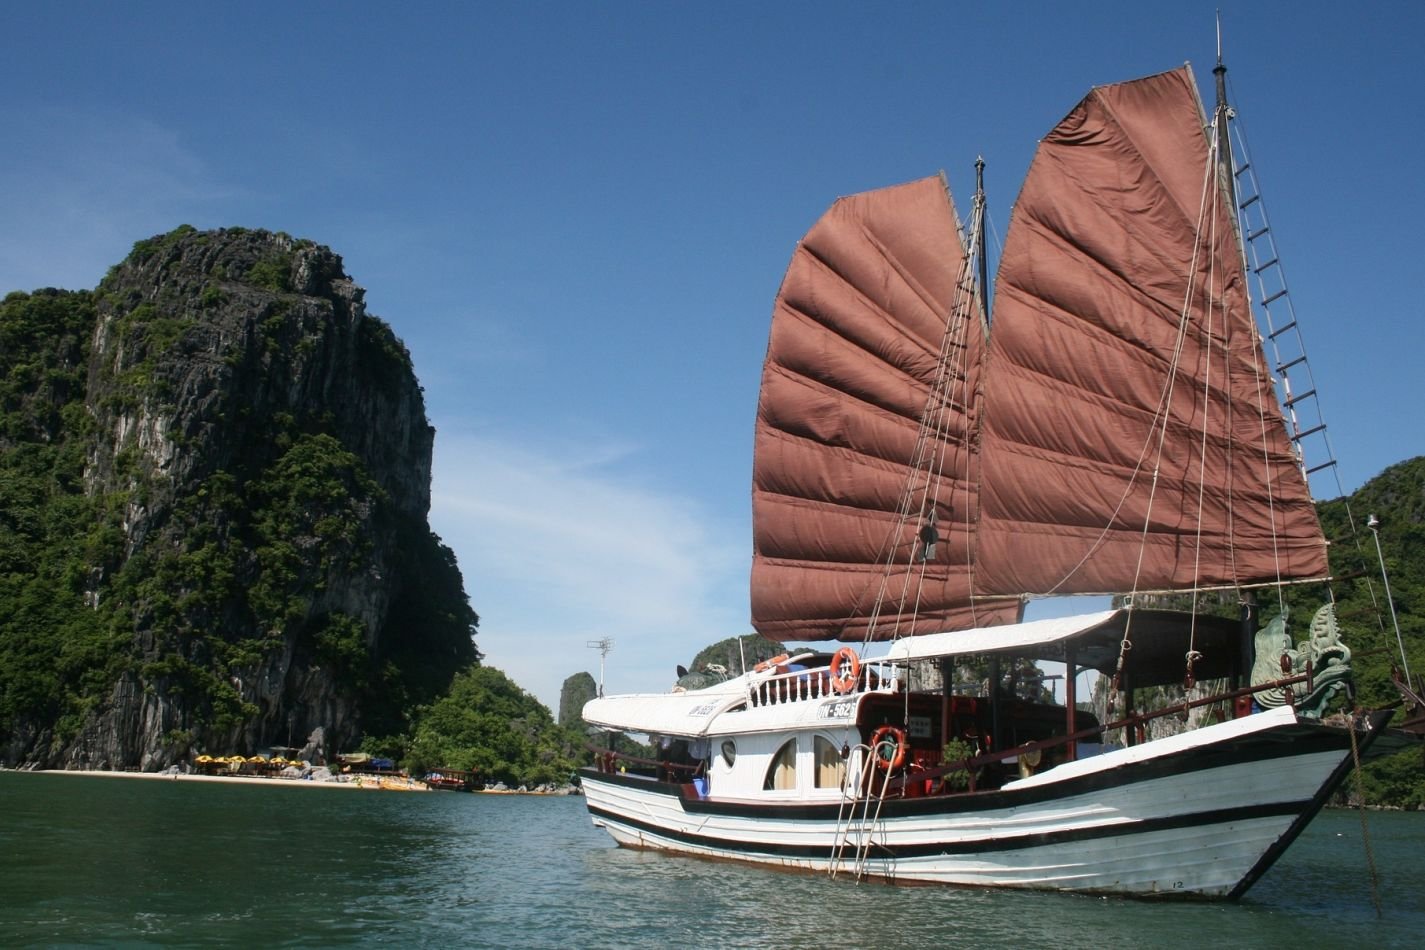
pixel 57 656
pixel 736 654
pixel 488 724
pixel 214 479
pixel 1396 497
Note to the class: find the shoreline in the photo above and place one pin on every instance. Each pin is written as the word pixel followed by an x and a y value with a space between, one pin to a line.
pixel 226 779
pixel 373 785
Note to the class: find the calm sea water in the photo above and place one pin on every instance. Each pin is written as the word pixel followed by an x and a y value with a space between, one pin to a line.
pixel 95 860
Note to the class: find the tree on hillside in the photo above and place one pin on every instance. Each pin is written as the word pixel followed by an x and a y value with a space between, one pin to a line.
pixel 1396 497
pixel 737 653
pixel 488 724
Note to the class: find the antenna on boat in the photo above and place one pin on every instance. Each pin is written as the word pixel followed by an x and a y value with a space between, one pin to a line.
pixel 603 646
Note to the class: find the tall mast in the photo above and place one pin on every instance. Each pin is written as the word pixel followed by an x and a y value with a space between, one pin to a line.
pixel 1221 115
pixel 1247 599
pixel 979 241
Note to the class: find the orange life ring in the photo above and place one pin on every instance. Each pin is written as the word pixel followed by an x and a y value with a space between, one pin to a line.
pixel 885 736
pixel 768 664
pixel 844 680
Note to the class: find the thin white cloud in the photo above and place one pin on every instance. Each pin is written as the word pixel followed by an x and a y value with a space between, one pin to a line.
pixel 79 189
pixel 560 548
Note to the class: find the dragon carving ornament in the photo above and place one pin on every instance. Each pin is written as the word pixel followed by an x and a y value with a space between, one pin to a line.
pixel 1329 659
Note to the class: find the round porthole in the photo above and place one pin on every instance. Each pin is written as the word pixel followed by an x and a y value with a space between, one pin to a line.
pixel 729 752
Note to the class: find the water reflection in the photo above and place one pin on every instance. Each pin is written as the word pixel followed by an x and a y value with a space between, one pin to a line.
pixel 93 860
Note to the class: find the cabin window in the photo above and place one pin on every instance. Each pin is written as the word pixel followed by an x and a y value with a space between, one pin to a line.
pixel 830 767
pixel 782 774
pixel 729 752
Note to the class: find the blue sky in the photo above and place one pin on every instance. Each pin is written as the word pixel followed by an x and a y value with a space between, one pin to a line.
pixel 576 216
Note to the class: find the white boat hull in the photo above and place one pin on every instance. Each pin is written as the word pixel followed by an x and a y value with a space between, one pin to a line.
pixel 1201 815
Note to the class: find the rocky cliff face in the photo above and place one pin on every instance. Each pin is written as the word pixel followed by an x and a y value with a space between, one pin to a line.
pixel 257 458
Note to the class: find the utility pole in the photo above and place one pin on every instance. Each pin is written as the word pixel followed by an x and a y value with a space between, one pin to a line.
pixel 603 646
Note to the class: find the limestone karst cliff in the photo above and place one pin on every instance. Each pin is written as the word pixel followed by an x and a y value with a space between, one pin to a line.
pixel 214 484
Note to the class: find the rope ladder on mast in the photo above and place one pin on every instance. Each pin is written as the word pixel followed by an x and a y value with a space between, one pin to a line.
pixel 1281 333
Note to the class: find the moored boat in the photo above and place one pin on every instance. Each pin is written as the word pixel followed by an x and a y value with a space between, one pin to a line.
pixel 453 780
pixel 921 471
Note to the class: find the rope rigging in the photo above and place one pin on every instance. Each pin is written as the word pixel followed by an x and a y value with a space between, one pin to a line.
pixel 937 450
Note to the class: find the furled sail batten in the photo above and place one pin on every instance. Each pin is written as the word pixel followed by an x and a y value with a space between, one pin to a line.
pixel 858 344
pixel 1089 454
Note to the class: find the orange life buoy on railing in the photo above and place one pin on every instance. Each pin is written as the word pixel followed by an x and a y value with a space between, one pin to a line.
pixel 843 679
pixel 883 740
pixel 768 664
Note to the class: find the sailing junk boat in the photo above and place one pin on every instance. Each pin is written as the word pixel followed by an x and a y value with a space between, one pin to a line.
pixel 917 474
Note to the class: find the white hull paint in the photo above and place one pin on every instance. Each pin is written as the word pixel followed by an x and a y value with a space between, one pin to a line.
pixel 1197 815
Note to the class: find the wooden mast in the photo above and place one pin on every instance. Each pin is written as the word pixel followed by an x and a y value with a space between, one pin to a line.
pixel 1227 180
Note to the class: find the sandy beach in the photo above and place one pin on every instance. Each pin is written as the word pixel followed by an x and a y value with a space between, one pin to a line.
pixel 371 784
pixel 367 783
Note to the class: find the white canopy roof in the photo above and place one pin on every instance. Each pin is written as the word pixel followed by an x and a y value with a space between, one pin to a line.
pixel 1160 639
pixel 1093 641
pixel 686 714
pixel 1015 637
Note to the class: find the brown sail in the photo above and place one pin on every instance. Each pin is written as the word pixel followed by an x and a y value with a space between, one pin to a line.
pixel 1107 430
pixel 875 314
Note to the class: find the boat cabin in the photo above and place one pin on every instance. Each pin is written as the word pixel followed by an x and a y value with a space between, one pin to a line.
pixel 807 727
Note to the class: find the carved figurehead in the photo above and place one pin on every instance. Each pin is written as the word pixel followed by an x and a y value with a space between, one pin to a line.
pixel 1330 661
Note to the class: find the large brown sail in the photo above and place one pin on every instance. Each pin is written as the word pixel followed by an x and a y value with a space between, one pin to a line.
pixel 858 345
pixel 1107 431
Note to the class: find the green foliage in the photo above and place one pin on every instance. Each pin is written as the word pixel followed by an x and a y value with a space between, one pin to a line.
pixel 734 652
pixel 309 516
pixel 149 339
pixel 430 633
pixel 1397 498
pixel 341 644
pixel 487 723
pixel 144 250
pixel 44 346
pixel 57 654
pixel 381 356
pixel 228 571
pixel 957 750
pixel 273 272
pixel 1394 780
